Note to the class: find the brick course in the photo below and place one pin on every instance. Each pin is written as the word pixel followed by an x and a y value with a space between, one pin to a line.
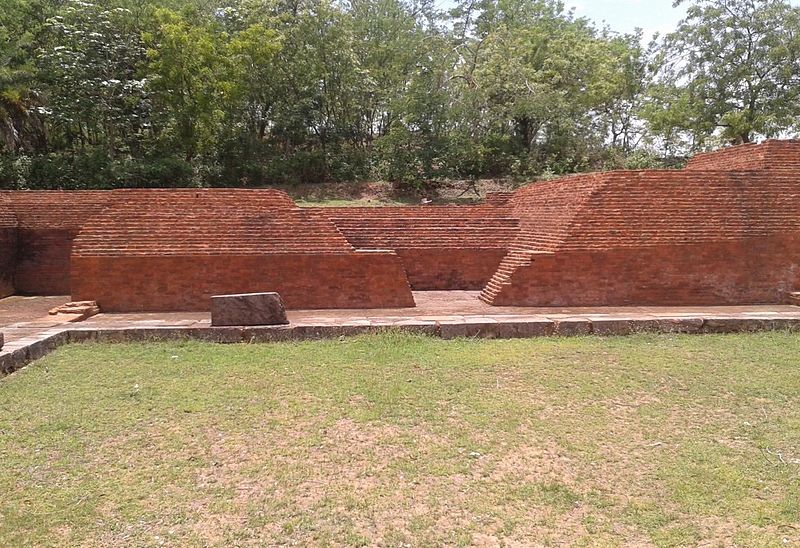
pixel 747 271
pixel 304 281
pixel 442 247
pixel 770 155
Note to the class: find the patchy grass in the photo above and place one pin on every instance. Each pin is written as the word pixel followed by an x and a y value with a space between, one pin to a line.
pixel 355 202
pixel 402 440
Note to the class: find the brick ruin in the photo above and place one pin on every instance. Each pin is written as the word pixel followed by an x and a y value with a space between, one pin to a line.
pixel 173 249
pixel 725 230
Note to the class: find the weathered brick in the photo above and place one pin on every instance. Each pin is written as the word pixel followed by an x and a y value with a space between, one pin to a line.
pixel 724 231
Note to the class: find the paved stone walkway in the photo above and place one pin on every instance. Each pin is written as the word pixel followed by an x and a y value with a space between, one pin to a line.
pixel 451 307
pixel 30 332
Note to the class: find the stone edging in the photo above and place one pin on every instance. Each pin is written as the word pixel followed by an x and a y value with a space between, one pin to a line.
pixel 17 358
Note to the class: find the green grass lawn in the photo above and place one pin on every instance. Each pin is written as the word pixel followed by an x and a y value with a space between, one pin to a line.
pixel 406 441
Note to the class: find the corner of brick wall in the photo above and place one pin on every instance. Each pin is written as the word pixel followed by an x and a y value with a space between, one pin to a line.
pixel 8 253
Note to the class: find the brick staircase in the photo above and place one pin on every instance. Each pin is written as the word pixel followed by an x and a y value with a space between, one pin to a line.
pixel 502 277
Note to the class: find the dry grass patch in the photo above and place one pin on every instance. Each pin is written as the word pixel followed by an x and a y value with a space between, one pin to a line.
pixel 406 441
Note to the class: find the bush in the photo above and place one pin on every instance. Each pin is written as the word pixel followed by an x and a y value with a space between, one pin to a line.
pixel 154 173
pixel 304 166
pixel 92 169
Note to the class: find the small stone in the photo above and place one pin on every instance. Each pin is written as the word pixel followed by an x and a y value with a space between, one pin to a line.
pixel 248 309
pixel 76 311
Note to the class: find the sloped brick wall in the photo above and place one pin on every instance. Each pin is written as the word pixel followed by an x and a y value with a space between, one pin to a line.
pixel 654 237
pixel 747 157
pixel 442 247
pixel 174 249
pixel 747 271
pixel 48 223
pixel 8 248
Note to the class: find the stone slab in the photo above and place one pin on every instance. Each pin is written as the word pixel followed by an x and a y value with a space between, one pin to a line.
pixel 247 309
pixel 572 327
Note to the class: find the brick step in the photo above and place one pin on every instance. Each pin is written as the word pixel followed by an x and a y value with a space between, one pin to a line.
pixel 502 276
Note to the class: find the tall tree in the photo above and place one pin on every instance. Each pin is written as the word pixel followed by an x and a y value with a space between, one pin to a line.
pixel 731 70
pixel 88 59
pixel 22 126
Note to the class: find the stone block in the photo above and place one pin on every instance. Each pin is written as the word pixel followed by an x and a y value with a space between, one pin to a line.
pixel 82 335
pixel 734 325
pixel 223 335
pixel 267 334
pixel 524 329
pixel 573 327
pixel 248 309
pixel 13 360
pixel 460 330
pixel 680 325
pixel 42 347
pixel 75 311
pixel 612 327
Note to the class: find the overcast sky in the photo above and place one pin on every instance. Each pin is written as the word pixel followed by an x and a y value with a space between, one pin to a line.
pixel 626 15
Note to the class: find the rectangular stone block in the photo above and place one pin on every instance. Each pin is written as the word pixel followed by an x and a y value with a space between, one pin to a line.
pixel 573 327
pixel 248 309
pixel 612 327
pixel 680 325
pixel 13 360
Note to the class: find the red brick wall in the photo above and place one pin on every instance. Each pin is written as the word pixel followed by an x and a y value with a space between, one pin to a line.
pixel 442 247
pixel 43 262
pixel 445 269
pixel 754 270
pixel 8 248
pixel 48 223
pixel 163 283
pixel 770 155
pixel 745 157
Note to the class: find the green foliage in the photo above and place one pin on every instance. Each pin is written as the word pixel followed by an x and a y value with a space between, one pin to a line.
pixel 248 93
pixel 730 72
pixel 93 169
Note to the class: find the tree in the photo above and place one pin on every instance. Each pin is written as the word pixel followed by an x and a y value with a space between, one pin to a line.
pixel 22 127
pixel 731 70
pixel 188 69
pixel 535 86
pixel 88 62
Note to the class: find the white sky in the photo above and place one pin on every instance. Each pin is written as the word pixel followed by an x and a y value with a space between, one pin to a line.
pixel 626 15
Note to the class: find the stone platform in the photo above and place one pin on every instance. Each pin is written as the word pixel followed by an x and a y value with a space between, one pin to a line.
pixel 30 333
